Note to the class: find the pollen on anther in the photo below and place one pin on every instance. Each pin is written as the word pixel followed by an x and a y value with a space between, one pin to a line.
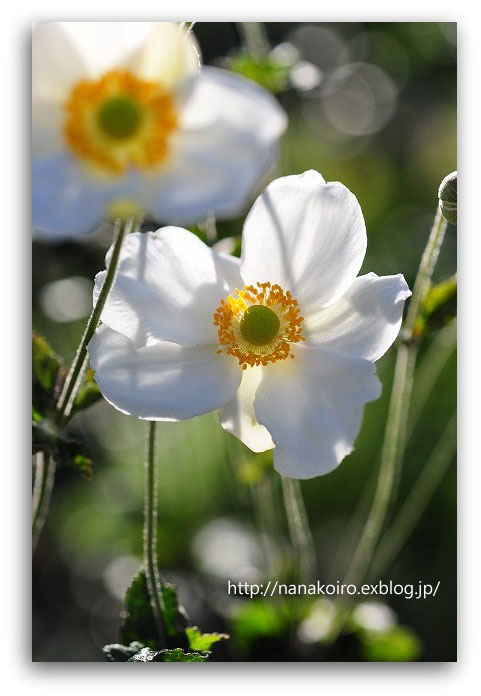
pixel 229 315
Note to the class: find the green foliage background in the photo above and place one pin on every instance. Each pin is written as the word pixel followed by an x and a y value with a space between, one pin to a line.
pixel 93 536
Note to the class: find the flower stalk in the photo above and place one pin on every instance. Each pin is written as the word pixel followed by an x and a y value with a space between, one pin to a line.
pixel 73 379
pixel 417 500
pixel 299 530
pixel 45 464
pixel 42 491
pixel 395 433
pixel 150 535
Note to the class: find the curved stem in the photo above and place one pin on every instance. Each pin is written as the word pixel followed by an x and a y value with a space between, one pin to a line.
pixel 425 272
pixel 417 499
pixel 42 491
pixel 255 39
pixel 45 471
pixel 395 434
pixel 150 536
pixel 299 528
pixel 73 379
pixel 387 471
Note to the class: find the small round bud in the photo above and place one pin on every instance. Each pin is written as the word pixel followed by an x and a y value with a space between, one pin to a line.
pixel 448 197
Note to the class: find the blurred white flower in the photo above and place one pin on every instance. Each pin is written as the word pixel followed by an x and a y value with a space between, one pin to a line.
pixel 282 341
pixel 124 120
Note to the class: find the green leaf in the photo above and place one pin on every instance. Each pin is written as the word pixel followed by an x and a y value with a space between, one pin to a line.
pixel 203 641
pixel 258 618
pixel 400 644
pixel 138 620
pixel 439 295
pixel 69 452
pixel 47 376
pixel 175 655
pixel 439 307
pixel 88 393
pixel 178 655
pixel 265 71
pixel 45 363
pixel 175 617
pixel 116 652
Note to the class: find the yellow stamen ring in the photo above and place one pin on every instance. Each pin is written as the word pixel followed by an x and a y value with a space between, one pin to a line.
pixel 259 324
pixel 119 121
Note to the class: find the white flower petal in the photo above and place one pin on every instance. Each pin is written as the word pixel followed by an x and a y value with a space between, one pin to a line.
pixel 70 51
pixel 47 121
pixel 168 286
pixel 307 236
pixel 56 63
pixel 226 142
pixel 312 406
pixel 365 320
pixel 169 55
pixel 65 200
pixel 238 417
pixel 164 381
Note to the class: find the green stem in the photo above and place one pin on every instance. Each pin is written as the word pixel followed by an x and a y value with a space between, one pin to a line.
pixel 151 566
pixel 417 500
pixel 425 273
pixel 267 522
pixel 300 533
pixel 395 434
pixel 73 379
pixel 255 39
pixel 42 491
pixel 45 472
pixel 387 471
pixel 433 363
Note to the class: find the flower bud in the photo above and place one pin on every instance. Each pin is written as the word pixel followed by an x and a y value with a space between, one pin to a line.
pixel 448 197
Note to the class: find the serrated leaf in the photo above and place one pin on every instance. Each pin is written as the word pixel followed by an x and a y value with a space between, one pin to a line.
pixel 175 617
pixel 115 652
pixel 203 641
pixel 175 655
pixel 138 620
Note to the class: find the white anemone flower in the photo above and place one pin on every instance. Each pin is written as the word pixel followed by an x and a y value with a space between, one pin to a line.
pixel 283 341
pixel 125 121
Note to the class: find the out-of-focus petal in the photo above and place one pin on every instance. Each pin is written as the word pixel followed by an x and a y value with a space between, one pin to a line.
pixel 226 142
pixel 66 201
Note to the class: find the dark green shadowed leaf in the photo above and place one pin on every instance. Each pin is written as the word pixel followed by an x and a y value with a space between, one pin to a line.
pixel 203 641
pixel 71 453
pixel 138 620
pixel 175 655
pixel 47 375
pixel 121 653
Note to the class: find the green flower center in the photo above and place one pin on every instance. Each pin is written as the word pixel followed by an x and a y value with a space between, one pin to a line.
pixel 119 117
pixel 259 325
